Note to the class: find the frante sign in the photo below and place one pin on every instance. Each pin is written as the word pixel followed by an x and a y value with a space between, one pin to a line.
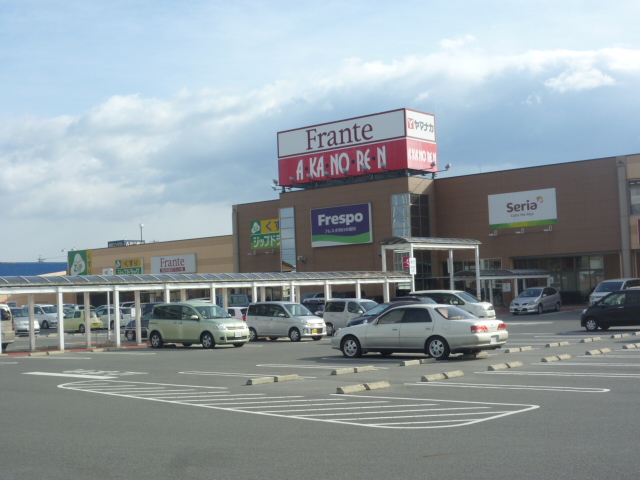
pixel 394 140
pixel 265 234
pixel 346 225
pixel 130 266
pixel 523 209
pixel 174 264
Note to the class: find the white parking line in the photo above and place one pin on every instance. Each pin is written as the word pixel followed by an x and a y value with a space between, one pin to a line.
pixel 563 374
pixel 511 387
pixel 227 374
pixel 47 374
pixel 324 367
pixel 356 410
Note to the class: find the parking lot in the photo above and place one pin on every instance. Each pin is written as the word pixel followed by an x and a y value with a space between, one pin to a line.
pixel 557 401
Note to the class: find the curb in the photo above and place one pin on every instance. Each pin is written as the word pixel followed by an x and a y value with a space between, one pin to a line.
pixel 630 346
pixel 362 387
pixel 518 349
pixel 275 379
pixel 344 371
pixel 442 376
pixel 557 344
pixel 598 352
pixel 504 366
pixel 593 339
pixel 557 358
pixel 620 335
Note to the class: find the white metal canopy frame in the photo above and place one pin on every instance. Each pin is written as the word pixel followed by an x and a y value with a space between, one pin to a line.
pixel 488 276
pixel 409 244
pixel 257 282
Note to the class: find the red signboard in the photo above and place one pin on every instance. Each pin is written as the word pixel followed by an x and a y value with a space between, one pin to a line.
pixel 396 140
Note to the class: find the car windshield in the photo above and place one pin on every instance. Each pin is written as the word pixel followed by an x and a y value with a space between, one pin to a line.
pixel 609 287
pixel 50 309
pixel 454 313
pixel 368 305
pixel 19 312
pixel 467 297
pixel 212 311
pixel 531 292
pixel 297 309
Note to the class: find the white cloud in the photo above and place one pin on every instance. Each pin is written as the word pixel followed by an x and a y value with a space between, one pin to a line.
pixel 579 80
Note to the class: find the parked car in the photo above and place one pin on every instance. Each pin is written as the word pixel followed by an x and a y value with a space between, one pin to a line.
pixel 461 299
pixel 21 321
pixel 8 330
pixel 618 309
pixel 108 315
pixel 130 328
pixel 436 330
pixel 605 287
pixel 46 314
pixel 75 321
pixel 283 319
pixel 238 312
pixel 338 312
pixel 536 299
pixel 195 322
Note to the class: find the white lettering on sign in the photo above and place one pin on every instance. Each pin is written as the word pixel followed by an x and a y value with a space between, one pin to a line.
pixel 344 219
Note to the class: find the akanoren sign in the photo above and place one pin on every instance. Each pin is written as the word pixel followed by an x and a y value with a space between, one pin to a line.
pixel 523 209
pixel 394 140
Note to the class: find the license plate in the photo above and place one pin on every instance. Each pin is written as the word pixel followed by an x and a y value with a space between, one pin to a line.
pixel 315 330
pixel 238 334
pixel 494 339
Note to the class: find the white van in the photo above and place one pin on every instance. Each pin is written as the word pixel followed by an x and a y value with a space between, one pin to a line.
pixel 605 287
pixel 462 299
pixel 338 312
pixel 8 328
pixel 283 319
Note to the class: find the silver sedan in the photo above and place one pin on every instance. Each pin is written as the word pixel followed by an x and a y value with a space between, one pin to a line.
pixel 435 330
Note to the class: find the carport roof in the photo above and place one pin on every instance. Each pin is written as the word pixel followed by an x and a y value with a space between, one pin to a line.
pixel 430 242
pixel 504 274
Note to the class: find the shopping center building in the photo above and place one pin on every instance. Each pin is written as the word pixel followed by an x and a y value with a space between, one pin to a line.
pixel 346 187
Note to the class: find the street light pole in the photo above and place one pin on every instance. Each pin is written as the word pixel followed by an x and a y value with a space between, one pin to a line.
pixel 141 226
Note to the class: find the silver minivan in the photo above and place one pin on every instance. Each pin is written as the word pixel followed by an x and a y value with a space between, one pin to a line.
pixel 605 287
pixel 536 300
pixel 283 319
pixel 338 312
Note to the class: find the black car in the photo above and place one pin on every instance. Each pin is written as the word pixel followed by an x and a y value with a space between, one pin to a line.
pixel 383 307
pixel 130 328
pixel 618 309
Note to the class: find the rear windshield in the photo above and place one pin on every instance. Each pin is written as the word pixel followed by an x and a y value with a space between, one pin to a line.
pixel 368 305
pixel 454 313
pixel 19 312
pixel 609 287
pixel 531 292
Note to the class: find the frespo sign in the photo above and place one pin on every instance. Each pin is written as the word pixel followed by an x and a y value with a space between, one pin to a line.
pixel 346 225
pixel 523 209
pixel 174 264
pixel 394 140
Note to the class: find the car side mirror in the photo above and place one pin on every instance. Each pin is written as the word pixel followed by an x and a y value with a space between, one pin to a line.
pixel 194 317
pixel 282 315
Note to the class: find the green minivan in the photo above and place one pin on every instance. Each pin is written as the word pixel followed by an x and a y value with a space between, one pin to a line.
pixel 195 322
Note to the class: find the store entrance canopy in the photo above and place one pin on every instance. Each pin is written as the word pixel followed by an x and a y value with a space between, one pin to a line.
pixel 409 244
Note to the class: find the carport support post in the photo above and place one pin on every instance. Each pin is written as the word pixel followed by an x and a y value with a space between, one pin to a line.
pixel 116 310
pixel 212 293
pixel 450 265
pixel 263 295
pixel 292 292
pixel 87 319
pixel 413 275
pixel 297 288
pixel 136 297
pixel 385 291
pixel 32 333
pixel 225 299
pixel 254 292
pixel 358 290
pixel 477 252
pixel 60 321
pixel 167 293
pixel 183 295
pixel 327 290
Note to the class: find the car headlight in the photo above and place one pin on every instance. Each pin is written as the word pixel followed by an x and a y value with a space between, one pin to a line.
pixel 221 326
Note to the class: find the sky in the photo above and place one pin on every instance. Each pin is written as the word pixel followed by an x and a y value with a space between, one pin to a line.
pixel 116 113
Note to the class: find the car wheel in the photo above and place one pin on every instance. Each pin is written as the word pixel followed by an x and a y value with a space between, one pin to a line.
pixel 540 309
pixel 330 330
pixel 316 338
pixel 186 345
pixel 557 306
pixel 207 340
pixel 131 336
pixel 238 345
pixel 591 325
pixel 156 340
pixel 253 335
pixel 45 324
pixel 351 347
pixel 81 328
pixel 438 348
pixel 294 335
pixel 273 339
